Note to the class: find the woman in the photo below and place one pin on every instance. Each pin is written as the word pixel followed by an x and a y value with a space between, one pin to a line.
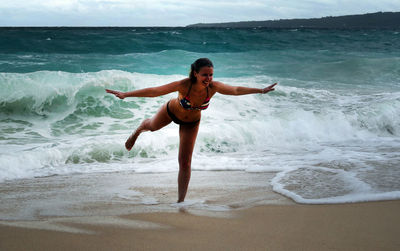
pixel 194 96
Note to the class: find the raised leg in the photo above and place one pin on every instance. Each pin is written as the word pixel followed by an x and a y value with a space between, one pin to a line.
pixel 158 121
pixel 187 135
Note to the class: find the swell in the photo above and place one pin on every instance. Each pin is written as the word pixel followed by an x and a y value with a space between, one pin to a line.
pixel 121 40
pixel 78 96
pixel 59 122
pixel 45 93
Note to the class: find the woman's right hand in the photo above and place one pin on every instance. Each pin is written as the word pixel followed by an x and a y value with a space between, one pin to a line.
pixel 118 94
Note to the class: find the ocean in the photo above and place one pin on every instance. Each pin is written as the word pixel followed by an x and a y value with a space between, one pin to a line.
pixel 329 133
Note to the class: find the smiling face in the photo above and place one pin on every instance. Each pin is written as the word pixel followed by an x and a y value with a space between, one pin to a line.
pixel 205 75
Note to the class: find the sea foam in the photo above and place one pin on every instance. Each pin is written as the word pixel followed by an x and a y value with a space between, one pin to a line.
pixel 60 123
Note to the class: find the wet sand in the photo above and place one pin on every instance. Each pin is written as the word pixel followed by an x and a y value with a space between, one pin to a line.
pixel 223 211
pixel 360 226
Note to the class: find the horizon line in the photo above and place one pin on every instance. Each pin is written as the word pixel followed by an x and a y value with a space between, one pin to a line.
pixel 176 26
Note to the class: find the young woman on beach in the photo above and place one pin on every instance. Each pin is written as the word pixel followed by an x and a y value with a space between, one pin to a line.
pixel 194 94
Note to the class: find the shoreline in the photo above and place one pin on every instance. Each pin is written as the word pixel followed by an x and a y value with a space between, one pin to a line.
pixel 120 193
pixel 224 210
pixel 358 226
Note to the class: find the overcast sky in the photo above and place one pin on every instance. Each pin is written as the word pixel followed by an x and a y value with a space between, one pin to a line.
pixel 175 12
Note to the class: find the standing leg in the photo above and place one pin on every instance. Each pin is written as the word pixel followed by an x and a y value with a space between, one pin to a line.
pixel 158 121
pixel 187 135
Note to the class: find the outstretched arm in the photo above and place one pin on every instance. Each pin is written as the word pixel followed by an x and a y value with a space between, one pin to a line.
pixel 241 90
pixel 148 92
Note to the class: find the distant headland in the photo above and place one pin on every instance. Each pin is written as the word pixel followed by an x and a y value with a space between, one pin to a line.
pixel 378 20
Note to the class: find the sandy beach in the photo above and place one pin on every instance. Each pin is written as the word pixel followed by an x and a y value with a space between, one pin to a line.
pixel 223 211
pixel 361 226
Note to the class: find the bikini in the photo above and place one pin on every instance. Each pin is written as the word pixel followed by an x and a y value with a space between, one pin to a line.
pixel 185 103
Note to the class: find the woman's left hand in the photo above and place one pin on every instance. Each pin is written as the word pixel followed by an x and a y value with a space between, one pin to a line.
pixel 269 88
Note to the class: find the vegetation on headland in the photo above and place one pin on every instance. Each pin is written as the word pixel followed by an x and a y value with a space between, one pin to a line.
pixel 378 20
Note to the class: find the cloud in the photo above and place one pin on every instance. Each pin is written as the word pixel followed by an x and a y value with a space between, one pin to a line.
pixel 174 12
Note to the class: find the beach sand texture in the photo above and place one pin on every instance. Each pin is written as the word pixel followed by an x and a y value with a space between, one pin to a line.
pixel 130 211
pixel 361 226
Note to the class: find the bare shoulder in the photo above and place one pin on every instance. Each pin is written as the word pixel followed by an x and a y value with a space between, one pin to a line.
pixel 183 84
pixel 215 85
pixel 178 84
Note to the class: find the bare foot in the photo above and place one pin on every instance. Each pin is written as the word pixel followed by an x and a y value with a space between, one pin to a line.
pixel 131 140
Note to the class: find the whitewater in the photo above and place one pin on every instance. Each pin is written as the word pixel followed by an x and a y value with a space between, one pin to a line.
pixel 329 133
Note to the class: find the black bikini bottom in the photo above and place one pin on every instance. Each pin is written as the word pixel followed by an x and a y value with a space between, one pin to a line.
pixel 178 121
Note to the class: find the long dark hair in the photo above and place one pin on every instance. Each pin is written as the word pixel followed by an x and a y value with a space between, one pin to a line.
pixel 197 65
